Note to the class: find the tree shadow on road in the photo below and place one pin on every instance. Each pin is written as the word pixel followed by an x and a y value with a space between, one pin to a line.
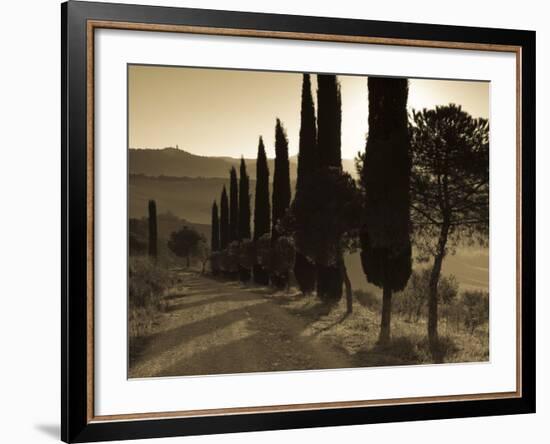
pixel 209 301
pixel 159 342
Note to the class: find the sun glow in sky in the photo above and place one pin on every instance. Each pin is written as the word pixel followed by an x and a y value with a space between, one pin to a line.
pixel 219 112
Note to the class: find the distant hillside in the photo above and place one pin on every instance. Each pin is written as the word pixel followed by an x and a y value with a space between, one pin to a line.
pixel 167 224
pixel 187 198
pixel 179 163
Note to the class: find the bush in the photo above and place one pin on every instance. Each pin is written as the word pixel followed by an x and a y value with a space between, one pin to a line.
pixel 215 262
pixel 476 307
pixel 232 258
pixel 146 282
pixel 368 299
pixel 186 243
pixel 445 350
pixel 263 251
pixel 412 301
pixel 283 255
pixel 247 254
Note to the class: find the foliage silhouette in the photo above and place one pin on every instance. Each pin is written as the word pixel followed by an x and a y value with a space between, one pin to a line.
pixel 449 189
pixel 262 209
pixel 224 220
pixel 281 194
pixel 329 119
pixel 215 236
pixel 186 243
pixel 153 230
pixel 244 214
pixel 326 239
pixel 304 268
pixel 215 239
pixel 233 206
pixel 385 176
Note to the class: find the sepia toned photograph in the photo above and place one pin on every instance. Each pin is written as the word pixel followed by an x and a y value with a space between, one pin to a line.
pixel 288 221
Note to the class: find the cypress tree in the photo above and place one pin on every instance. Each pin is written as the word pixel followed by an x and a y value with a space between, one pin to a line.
pixel 329 122
pixel 281 179
pixel 281 192
pixel 224 220
pixel 153 241
pixel 304 268
pixel 215 238
pixel 262 211
pixel 385 235
pixel 244 213
pixel 233 206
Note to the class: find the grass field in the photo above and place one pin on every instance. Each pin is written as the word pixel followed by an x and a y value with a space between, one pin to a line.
pixel 357 333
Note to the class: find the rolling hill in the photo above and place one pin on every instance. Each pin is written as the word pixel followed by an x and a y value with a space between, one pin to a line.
pixel 176 162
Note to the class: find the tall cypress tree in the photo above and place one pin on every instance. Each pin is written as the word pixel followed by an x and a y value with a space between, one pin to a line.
pixel 153 241
pixel 262 211
pixel 244 213
pixel 281 191
pixel 304 268
pixel 329 122
pixel 281 179
pixel 224 220
pixel 215 237
pixel 233 206
pixel 385 235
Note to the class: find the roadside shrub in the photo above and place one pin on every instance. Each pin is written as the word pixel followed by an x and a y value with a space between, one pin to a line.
pixel 263 251
pixel 446 350
pixel 476 307
pixel 413 300
pixel 283 256
pixel 232 259
pixel 247 254
pixel 215 262
pixel 146 282
pixel 368 299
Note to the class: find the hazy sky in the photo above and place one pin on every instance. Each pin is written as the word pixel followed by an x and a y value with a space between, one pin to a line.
pixel 217 112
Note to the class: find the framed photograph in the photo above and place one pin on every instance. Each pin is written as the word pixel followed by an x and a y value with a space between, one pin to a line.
pixel 275 221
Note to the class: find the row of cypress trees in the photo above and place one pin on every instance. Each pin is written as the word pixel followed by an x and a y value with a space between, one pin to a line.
pixel 318 263
pixel 383 219
pixel 330 215
pixel 233 222
pixel 319 151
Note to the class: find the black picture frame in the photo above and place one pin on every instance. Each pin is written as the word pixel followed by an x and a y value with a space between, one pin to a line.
pixel 76 424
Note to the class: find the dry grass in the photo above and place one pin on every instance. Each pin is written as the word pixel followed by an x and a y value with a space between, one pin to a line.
pixel 147 285
pixel 357 333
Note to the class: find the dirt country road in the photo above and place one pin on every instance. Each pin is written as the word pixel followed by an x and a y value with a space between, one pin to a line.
pixel 213 327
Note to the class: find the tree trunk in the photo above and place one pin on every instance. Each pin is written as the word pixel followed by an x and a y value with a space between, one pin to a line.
pixel 261 276
pixel 432 296
pixel 418 311
pixel 244 274
pixel 305 273
pixel 288 281
pixel 385 324
pixel 347 285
